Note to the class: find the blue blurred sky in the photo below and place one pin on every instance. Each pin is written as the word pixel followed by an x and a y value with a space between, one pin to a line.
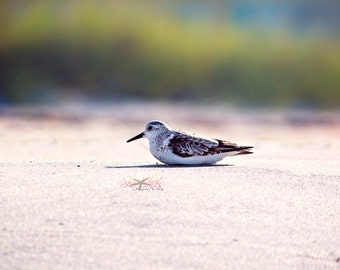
pixel 300 17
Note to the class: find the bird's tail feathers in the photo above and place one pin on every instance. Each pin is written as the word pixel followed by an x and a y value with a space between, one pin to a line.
pixel 240 150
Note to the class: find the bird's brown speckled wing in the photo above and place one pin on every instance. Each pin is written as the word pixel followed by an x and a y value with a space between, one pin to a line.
pixel 187 145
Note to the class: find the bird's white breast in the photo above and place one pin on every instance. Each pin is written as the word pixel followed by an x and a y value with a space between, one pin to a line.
pixel 159 147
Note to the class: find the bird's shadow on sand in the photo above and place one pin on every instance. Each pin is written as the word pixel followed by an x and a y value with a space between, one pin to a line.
pixel 162 166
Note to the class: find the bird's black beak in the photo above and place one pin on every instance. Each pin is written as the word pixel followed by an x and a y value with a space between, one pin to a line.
pixel 136 137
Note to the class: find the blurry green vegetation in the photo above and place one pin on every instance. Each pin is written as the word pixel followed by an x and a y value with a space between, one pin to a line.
pixel 109 49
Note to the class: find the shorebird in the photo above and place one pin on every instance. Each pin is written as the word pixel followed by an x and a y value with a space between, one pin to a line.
pixel 175 147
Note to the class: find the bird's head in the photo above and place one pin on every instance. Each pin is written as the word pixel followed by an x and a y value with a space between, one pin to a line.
pixel 152 129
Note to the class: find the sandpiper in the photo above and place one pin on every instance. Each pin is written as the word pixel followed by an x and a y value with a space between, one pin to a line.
pixel 175 147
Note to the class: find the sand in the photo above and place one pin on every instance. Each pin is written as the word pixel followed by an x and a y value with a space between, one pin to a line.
pixel 72 195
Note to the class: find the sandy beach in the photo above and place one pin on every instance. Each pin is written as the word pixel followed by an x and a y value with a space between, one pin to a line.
pixel 75 195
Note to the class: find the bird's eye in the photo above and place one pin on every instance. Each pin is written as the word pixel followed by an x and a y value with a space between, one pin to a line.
pixel 149 128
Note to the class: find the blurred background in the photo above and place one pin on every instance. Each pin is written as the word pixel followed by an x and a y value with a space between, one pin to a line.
pixel 255 53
